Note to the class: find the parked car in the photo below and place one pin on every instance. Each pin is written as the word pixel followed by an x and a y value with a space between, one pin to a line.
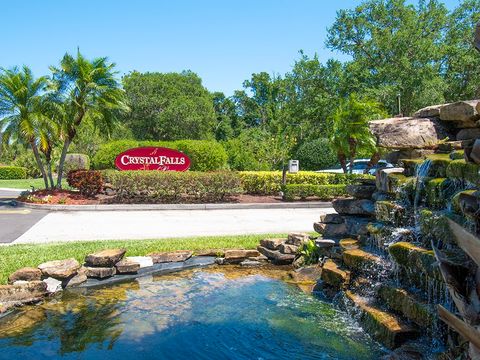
pixel 359 166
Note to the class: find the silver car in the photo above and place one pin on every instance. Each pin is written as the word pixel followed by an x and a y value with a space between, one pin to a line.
pixel 359 167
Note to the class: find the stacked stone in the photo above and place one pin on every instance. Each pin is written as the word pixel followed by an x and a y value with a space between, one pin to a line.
pixel 353 214
pixel 106 263
pixel 427 130
pixel 282 251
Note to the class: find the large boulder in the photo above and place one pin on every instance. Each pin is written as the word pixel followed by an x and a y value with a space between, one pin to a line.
pixel 272 244
pixel 276 256
pixel 361 191
pixel 297 239
pixel 468 134
pixel 354 207
pixel 100 272
pixel 126 266
pixel 429 111
pixel 408 132
pixel 25 274
pixel 462 114
pixel 60 269
pixel 105 258
pixel 331 218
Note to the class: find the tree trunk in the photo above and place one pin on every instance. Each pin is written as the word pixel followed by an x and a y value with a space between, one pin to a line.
pixel 62 162
pixel 353 152
pixel 39 163
pixel 342 158
pixel 373 161
pixel 50 176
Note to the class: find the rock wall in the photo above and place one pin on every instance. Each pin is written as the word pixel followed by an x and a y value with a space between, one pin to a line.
pixel 408 248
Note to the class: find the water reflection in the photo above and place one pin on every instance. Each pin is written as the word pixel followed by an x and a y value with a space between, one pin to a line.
pixel 215 313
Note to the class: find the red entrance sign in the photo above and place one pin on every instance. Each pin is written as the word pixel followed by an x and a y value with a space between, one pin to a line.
pixel 152 158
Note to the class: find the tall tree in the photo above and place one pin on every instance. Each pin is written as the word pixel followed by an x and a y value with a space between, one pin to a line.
pixel 396 48
pixel 21 109
pixel 168 106
pixel 85 89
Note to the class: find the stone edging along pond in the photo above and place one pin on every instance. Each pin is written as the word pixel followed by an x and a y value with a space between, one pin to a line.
pixel 143 207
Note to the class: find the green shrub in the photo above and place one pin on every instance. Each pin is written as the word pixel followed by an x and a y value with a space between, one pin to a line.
pixel 76 162
pixel 269 182
pixel 315 155
pixel 88 182
pixel 205 155
pixel 322 192
pixel 12 172
pixel 27 161
pixel 173 187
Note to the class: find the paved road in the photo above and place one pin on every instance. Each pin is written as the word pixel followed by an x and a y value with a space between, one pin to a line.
pixel 14 222
pixel 104 225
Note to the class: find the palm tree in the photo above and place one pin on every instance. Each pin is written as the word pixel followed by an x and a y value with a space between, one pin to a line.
pixel 349 129
pixel 21 109
pixel 86 89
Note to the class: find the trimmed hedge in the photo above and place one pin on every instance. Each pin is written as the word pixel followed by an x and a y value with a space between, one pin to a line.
pixel 12 172
pixel 269 182
pixel 206 155
pixel 323 192
pixel 173 187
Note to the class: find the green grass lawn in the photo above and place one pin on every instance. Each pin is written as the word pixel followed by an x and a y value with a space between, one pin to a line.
pixel 22 184
pixel 15 257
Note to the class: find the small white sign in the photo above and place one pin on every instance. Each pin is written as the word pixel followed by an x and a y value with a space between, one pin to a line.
pixel 293 166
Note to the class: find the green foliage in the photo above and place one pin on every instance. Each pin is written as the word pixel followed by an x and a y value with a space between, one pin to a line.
pixel 76 162
pixel 27 161
pixel 12 172
pixel 310 252
pixel 206 155
pixel 173 187
pixel 269 182
pixel 316 154
pixel 168 106
pixel 322 192
pixel 88 182
pixel 349 132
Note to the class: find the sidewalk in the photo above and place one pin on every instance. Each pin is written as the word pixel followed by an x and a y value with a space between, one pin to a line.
pixel 119 225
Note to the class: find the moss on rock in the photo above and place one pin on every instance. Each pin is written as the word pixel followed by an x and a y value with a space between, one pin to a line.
pixel 459 169
pixel 357 259
pixel 389 211
pixel 334 276
pixel 417 264
pixel 435 192
pixel 349 243
pixel 401 301
pixel 384 327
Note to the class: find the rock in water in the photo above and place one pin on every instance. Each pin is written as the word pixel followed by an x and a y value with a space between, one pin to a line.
pixel 105 258
pixel 173 256
pixel 53 285
pixel 408 132
pixel 100 272
pixel 127 267
pixel 59 269
pixel 23 291
pixel 25 274
pixel 77 279
pixel 237 256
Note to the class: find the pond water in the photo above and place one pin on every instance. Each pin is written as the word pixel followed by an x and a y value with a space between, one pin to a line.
pixel 216 313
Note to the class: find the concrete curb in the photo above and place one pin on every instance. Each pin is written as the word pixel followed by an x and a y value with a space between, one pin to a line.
pixel 148 207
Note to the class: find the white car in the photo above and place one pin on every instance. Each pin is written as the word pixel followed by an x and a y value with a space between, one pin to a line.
pixel 359 166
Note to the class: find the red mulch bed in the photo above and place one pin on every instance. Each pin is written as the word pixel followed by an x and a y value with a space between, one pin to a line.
pixel 68 197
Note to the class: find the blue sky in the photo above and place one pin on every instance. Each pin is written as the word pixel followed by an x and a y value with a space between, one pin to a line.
pixel 223 41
